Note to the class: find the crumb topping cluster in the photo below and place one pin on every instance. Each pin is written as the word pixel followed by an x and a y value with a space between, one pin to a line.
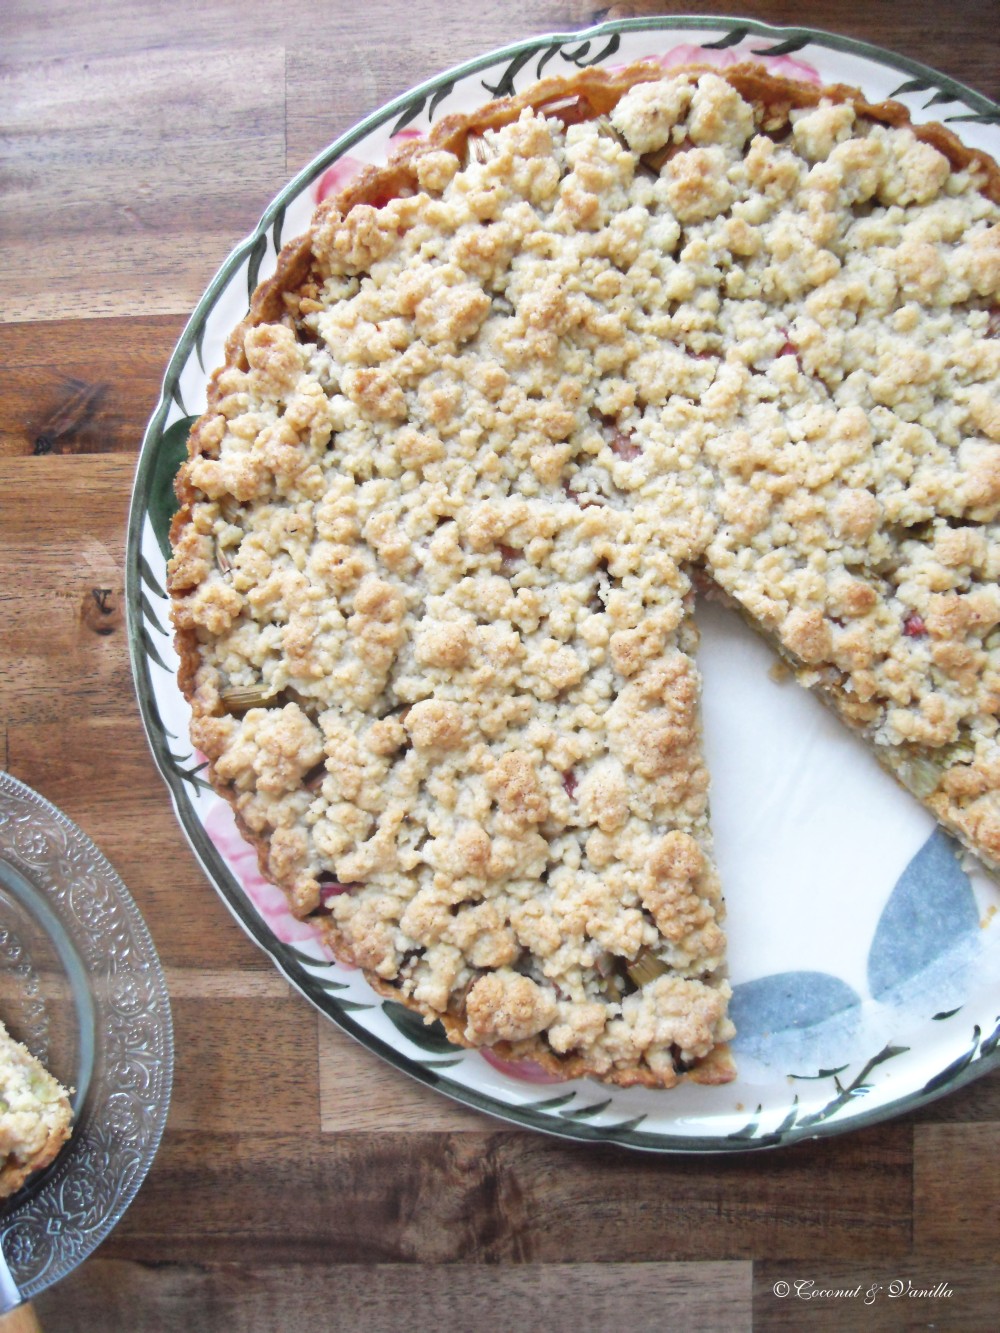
pixel 433 578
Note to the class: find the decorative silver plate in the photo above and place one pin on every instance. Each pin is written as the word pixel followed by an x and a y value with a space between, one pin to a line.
pixel 82 988
pixel 865 954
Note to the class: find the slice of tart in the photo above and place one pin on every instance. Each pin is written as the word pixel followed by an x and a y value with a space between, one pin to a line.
pixel 35 1115
pixel 432 566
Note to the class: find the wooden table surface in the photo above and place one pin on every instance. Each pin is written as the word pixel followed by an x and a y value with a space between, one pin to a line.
pixel 301 1182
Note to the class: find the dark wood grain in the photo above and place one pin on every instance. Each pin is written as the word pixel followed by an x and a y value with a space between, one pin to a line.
pixel 81 386
pixel 516 1197
pixel 303 1182
pixel 956 1191
pixel 228 1078
pixel 588 1298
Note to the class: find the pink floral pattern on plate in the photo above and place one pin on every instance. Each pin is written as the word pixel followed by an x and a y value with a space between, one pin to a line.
pixel 343 171
pixel 525 1070
pixel 270 902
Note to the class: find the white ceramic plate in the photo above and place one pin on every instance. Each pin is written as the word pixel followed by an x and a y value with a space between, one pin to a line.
pixel 863 951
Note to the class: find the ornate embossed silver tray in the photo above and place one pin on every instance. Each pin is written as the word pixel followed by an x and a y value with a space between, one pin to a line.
pixel 81 986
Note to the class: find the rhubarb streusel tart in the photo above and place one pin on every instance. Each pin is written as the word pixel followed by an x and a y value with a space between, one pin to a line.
pixel 441 524
pixel 35 1115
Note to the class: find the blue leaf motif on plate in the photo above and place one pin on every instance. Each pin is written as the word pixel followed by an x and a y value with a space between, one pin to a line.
pixel 787 1004
pixel 931 913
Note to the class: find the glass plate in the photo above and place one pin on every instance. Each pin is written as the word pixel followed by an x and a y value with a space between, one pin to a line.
pixel 863 950
pixel 82 988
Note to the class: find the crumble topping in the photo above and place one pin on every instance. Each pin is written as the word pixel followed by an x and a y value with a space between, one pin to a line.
pixel 432 577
